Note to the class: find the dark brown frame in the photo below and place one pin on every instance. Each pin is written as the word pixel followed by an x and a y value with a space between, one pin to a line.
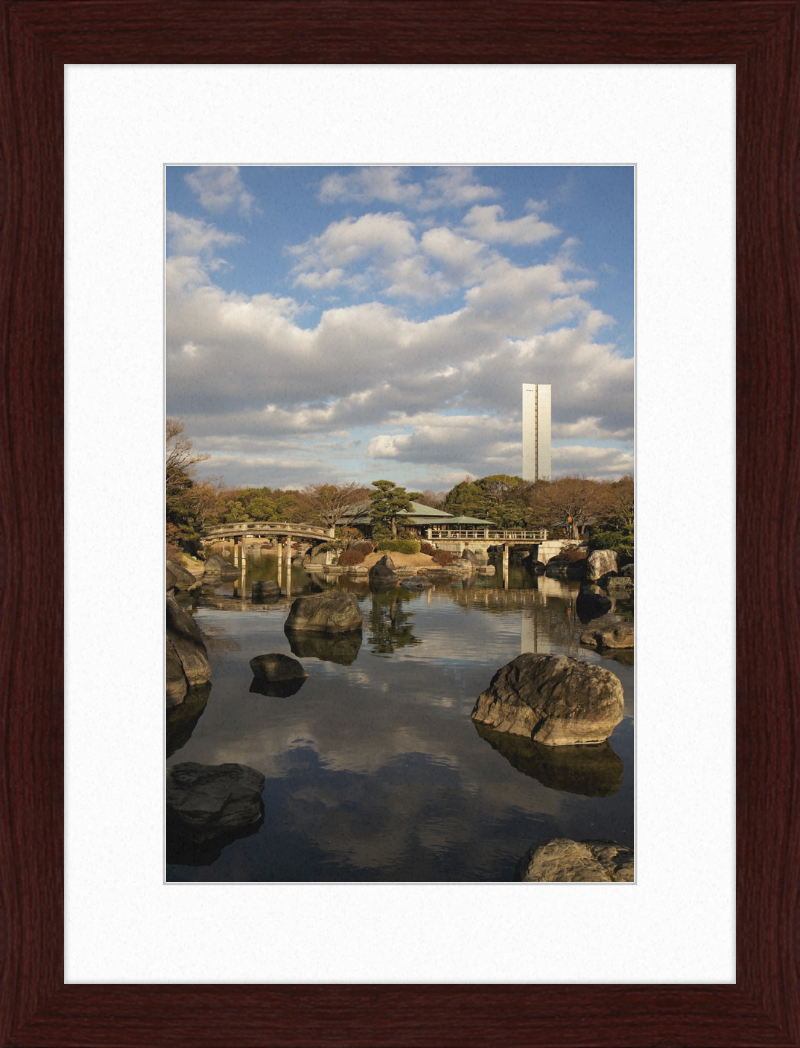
pixel 761 38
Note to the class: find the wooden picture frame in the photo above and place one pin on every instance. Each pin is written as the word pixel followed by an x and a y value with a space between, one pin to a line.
pixel 763 40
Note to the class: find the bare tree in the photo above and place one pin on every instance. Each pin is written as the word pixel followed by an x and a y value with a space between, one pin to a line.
pixel 617 502
pixel 565 502
pixel 325 503
pixel 181 463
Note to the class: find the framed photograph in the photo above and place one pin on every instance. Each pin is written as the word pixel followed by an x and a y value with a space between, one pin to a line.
pixel 369 1006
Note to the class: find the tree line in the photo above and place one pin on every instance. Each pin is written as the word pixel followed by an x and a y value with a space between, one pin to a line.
pixel 574 507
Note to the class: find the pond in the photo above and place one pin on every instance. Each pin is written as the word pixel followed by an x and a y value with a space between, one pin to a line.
pixel 374 769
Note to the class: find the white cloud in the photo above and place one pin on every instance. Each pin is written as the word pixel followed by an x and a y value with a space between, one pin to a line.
pixel 487 223
pixel 194 237
pixel 219 188
pixel 448 187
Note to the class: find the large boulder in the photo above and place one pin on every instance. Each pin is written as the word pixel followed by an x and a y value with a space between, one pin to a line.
pixel 324 613
pixel 383 572
pixel 627 571
pixel 591 603
pixel 601 562
pixel 553 699
pixel 187 641
pixel 277 667
pixel 218 567
pixel 205 800
pixel 562 859
pixel 184 580
pixel 612 635
pixel 171 580
pixel 187 658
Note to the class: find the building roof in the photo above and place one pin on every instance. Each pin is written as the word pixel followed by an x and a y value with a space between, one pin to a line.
pixel 358 513
pixel 469 520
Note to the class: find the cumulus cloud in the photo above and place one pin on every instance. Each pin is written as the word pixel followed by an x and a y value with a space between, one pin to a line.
pixel 434 396
pixel 487 223
pixel 447 187
pixel 220 188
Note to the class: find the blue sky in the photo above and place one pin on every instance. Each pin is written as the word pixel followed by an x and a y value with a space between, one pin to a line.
pixel 351 323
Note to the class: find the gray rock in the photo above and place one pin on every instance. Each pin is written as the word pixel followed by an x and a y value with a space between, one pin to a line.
pixel 627 571
pixel 562 859
pixel 469 556
pixel 186 643
pixel 171 580
pixel 601 562
pixel 416 582
pixel 553 699
pixel 565 569
pixel 614 635
pixel 620 585
pixel 217 566
pixel 184 580
pixel 205 800
pixel 277 667
pixel 324 613
pixel 383 571
pixel 176 681
pixel 266 588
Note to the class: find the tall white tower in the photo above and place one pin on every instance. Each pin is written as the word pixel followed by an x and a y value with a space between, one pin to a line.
pixel 535 432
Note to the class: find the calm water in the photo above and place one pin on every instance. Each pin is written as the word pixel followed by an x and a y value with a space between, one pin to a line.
pixel 374 768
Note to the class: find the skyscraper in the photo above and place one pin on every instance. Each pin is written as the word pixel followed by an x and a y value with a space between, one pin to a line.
pixel 535 432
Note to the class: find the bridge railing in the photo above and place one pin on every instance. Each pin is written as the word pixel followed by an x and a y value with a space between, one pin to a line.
pixel 500 535
pixel 268 527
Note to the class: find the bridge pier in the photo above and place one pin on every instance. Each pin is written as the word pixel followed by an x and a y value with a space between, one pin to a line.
pixel 505 565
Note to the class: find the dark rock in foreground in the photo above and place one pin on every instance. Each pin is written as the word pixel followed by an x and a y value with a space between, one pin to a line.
pixel 341 648
pixel 182 719
pixel 562 859
pixel 591 771
pixel 591 603
pixel 553 699
pixel 277 667
pixel 324 613
pixel 614 635
pixel 205 800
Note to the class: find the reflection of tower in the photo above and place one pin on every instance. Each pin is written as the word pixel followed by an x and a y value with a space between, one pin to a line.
pixel 535 432
pixel 536 630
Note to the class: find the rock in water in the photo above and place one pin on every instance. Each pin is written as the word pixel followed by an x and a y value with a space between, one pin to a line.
pixel 217 566
pixel 416 582
pixel 591 603
pixel 277 667
pixel 205 800
pixel 184 580
pixel 266 588
pixel 324 613
pixel 187 641
pixel 553 699
pixel 383 573
pixel 614 635
pixel 564 860
pixel 601 562
pixel 468 556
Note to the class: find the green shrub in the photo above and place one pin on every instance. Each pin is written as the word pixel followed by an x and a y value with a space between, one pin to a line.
pixel 621 542
pixel 398 546
pixel 441 556
pixel 351 557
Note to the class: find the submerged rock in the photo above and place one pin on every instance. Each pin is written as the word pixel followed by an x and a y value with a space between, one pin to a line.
pixel 277 667
pixel 276 689
pixel 600 563
pixel 591 771
pixel 324 613
pixel 562 859
pixel 553 699
pixel 205 800
pixel 614 635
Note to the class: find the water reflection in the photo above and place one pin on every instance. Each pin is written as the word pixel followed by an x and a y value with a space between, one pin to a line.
pixel 390 627
pixel 182 719
pixel 593 771
pixel 278 689
pixel 185 852
pixel 342 648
